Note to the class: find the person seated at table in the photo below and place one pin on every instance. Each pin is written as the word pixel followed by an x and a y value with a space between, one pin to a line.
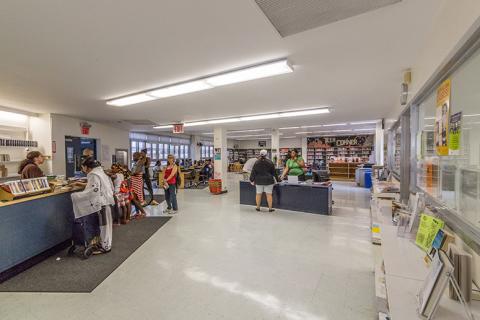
pixel 29 168
pixel 295 166
pixel 263 177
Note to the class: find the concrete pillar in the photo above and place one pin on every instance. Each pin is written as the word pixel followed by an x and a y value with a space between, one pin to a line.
pixel 221 155
pixel 275 146
pixel 304 148
pixel 194 149
pixel 379 143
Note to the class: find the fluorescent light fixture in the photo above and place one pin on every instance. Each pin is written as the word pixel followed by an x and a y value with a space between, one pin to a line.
pixel 364 122
pixel 370 129
pixel 305 112
pixel 194 124
pixel 303 132
pixel 472 115
pixel 261 117
pixel 226 120
pixel 178 89
pixel 12 117
pixel 241 131
pixel 168 126
pixel 207 133
pixel 288 128
pixel 340 130
pixel 249 135
pixel 314 126
pixel 335 125
pixel 429 118
pixel 291 137
pixel 428 125
pixel 256 72
pixel 229 77
pixel 125 101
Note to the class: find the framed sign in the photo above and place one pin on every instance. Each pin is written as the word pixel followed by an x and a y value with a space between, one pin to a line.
pixel 262 143
pixel 442 118
pixel 178 128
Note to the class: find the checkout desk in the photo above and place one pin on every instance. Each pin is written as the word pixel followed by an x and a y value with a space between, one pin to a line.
pixel 306 197
pixel 31 227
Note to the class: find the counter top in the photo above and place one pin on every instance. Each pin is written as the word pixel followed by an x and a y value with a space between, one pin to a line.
pixel 37 196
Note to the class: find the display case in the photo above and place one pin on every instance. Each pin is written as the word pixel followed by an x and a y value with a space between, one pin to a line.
pixel 12 190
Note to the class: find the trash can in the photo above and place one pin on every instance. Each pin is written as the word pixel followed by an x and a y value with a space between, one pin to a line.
pixel 215 185
pixel 368 179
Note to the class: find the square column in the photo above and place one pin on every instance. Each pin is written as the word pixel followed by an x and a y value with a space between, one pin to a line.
pixel 275 146
pixel 221 155
pixel 379 142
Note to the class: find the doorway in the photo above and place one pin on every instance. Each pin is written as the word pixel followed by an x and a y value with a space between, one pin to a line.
pixel 74 147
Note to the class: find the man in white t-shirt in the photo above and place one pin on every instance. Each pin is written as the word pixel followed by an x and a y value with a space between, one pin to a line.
pixel 247 168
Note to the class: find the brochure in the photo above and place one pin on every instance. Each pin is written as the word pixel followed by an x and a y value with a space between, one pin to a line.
pixel 427 230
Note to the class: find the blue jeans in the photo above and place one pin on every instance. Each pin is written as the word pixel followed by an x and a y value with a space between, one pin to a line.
pixel 171 197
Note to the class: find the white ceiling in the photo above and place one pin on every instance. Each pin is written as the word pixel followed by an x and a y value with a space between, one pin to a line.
pixel 68 57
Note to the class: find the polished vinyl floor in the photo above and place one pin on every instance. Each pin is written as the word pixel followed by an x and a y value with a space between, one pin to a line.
pixel 219 260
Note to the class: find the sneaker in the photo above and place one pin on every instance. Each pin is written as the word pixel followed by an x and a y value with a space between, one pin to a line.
pixel 258 209
pixel 167 211
pixel 173 211
pixel 271 210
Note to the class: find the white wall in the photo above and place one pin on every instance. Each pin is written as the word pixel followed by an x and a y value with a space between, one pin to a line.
pixel 291 143
pixel 454 21
pixel 41 131
pixel 108 139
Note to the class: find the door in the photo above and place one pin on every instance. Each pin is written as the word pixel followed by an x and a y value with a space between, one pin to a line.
pixel 74 147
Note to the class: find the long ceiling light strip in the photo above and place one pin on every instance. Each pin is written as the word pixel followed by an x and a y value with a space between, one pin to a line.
pixel 286 114
pixel 264 70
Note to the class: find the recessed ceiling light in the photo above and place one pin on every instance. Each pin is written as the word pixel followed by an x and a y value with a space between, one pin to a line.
pixel 263 70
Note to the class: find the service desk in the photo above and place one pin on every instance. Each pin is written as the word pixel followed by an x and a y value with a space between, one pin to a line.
pixel 32 226
pixel 312 198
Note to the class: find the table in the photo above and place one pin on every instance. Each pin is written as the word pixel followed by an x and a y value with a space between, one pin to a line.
pixel 312 198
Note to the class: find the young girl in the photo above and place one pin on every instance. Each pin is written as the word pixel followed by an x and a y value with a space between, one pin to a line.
pixel 122 193
pixel 170 185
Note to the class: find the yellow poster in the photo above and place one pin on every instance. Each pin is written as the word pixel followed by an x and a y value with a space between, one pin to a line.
pixel 442 117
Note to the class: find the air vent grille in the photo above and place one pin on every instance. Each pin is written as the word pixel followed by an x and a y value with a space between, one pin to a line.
pixel 293 16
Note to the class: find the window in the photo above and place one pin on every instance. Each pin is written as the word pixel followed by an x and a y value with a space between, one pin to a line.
pixel 154 151
pixel 182 152
pixel 176 152
pixel 149 150
pixel 166 151
pixel 160 151
pixel 453 178
pixel 187 154
pixel 211 152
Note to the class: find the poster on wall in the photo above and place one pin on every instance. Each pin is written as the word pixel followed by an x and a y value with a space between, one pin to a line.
pixel 343 141
pixel 454 134
pixel 442 117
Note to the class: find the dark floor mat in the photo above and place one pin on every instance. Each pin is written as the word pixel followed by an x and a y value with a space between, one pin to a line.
pixel 72 274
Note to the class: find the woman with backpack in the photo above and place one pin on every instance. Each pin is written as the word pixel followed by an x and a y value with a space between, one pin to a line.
pixel 170 185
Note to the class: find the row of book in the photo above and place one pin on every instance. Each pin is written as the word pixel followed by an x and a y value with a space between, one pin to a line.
pixel 26 186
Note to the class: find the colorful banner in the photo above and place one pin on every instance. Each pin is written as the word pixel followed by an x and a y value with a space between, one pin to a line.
pixel 454 134
pixel 341 141
pixel 442 118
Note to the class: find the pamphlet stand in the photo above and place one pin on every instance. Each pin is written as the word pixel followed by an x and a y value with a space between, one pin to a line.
pixel 435 286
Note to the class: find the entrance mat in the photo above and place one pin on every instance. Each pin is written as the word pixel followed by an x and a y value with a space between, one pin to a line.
pixel 72 274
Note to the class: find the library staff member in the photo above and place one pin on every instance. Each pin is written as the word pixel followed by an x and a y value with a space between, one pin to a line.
pixel 294 166
pixel 28 168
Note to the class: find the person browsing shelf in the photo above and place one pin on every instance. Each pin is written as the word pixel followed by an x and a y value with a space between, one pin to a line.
pixel 295 166
pixel 29 168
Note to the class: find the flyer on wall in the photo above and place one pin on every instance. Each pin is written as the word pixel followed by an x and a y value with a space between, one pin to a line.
pixel 442 118
pixel 454 134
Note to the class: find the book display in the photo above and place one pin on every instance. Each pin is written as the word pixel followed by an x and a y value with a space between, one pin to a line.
pixel 341 155
pixel 20 188
pixel 242 155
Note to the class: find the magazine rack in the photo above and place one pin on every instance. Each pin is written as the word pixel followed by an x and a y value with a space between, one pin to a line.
pixel 442 273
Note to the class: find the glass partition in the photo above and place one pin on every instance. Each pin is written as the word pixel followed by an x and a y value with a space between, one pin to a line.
pixel 448 156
